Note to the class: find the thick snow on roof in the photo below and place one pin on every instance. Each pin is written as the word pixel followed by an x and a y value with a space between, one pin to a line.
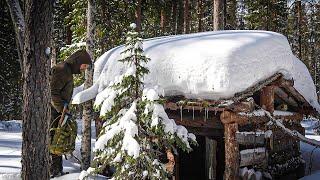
pixel 209 65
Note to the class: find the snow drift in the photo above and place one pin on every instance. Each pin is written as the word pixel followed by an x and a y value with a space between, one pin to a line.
pixel 209 65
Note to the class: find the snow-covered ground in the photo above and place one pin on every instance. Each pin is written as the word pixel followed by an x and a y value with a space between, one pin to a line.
pixel 10 152
pixel 11 139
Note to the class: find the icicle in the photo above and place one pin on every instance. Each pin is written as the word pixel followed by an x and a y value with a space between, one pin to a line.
pixel 215 112
pixel 205 114
pixel 188 109
pixel 181 113
pixel 192 112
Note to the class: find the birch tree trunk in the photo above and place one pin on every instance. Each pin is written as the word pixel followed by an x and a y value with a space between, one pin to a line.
pixel 87 107
pixel 36 89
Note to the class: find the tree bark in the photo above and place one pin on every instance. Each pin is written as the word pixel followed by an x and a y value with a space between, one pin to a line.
pixel 180 17
pixel 36 89
pixel 231 152
pixel 267 98
pixel 200 15
pixel 19 26
pixel 162 20
pixel 174 17
pixel 217 15
pixel 87 107
pixel 299 28
pixel 186 17
pixel 138 16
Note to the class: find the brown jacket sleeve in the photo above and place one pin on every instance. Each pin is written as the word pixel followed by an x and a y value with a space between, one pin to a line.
pixel 57 84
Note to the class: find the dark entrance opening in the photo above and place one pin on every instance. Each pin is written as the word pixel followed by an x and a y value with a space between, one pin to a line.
pixel 206 161
pixel 192 165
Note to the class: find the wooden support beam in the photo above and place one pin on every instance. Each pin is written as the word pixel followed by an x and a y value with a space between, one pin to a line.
pixel 281 82
pixel 249 92
pixel 267 98
pixel 231 146
pixel 242 119
pixel 285 97
pixel 243 106
pixel 231 152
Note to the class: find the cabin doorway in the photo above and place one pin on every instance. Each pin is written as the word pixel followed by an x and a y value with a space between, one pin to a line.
pixel 205 162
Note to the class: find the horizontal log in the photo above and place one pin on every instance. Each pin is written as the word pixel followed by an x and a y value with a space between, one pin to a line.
pixel 285 97
pixel 250 138
pixel 254 117
pixel 249 92
pixel 256 156
pixel 281 82
pixel 244 106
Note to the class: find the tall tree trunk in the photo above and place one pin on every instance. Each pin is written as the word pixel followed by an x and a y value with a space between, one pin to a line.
pixel 186 17
pixel 299 28
pixel 180 17
pixel 87 107
pixel 162 20
pixel 19 26
pixel 217 15
pixel 36 89
pixel 174 18
pixel 200 15
pixel 138 15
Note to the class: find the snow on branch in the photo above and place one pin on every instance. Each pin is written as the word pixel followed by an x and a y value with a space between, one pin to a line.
pixel 292 133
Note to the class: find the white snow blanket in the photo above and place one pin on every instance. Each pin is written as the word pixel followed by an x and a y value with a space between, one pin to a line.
pixel 209 65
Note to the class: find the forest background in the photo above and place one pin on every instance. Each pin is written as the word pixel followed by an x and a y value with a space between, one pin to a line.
pixel 298 20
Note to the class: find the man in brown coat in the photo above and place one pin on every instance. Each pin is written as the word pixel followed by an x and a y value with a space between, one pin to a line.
pixel 61 83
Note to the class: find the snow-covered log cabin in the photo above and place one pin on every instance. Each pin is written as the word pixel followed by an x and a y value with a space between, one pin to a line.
pixel 220 85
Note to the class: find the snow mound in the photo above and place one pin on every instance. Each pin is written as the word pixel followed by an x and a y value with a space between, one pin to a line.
pixel 209 65
pixel 12 125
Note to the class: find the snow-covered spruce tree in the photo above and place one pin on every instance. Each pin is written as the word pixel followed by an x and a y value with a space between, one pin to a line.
pixel 137 130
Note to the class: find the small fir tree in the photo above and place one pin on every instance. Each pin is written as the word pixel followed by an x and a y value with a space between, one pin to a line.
pixel 137 130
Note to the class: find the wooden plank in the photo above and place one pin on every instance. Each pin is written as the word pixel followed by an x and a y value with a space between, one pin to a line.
pixel 250 138
pixel 256 156
pixel 211 162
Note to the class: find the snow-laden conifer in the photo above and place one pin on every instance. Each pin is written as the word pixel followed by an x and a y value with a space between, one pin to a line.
pixel 137 131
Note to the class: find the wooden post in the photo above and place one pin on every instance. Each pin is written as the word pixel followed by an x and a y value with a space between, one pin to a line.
pixel 231 147
pixel 267 98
